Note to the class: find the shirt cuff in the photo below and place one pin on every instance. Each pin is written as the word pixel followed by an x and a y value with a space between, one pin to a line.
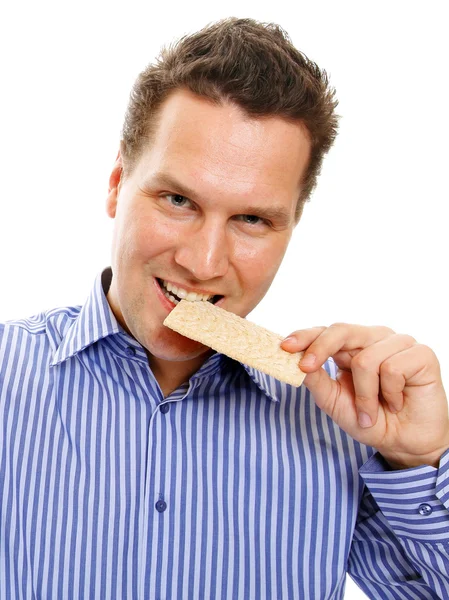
pixel 414 501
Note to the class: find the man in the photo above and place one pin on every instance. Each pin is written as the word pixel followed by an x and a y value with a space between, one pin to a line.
pixel 136 463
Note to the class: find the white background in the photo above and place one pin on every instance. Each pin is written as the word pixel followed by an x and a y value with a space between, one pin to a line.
pixel 372 246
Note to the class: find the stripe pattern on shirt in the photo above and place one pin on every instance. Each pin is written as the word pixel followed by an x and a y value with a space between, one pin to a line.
pixel 234 486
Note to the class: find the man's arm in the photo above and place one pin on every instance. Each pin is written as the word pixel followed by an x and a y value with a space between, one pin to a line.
pixel 388 394
pixel 400 547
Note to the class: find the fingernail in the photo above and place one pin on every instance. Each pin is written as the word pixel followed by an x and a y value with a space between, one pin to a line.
pixel 308 360
pixel 364 420
pixel 290 338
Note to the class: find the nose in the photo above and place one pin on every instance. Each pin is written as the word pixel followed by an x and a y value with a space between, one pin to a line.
pixel 204 252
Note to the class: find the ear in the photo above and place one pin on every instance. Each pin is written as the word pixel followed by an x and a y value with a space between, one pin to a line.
pixel 114 185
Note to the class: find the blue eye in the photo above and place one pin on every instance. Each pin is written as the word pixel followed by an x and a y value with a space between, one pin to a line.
pixel 177 200
pixel 251 219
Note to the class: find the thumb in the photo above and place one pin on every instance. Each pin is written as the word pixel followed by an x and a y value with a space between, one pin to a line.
pixel 322 388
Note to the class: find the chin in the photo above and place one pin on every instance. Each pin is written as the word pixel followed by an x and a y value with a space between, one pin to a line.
pixel 172 346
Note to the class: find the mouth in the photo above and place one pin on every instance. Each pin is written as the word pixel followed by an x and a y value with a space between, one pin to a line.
pixel 176 294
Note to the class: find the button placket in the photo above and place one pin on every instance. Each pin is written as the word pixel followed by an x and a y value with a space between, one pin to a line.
pixel 164 407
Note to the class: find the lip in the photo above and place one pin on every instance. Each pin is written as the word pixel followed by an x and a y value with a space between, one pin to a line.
pixel 169 305
pixel 166 303
pixel 189 289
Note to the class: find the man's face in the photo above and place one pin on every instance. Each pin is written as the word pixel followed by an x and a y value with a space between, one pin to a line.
pixel 209 208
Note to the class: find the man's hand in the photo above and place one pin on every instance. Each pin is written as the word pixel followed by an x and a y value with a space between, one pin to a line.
pixel 388 393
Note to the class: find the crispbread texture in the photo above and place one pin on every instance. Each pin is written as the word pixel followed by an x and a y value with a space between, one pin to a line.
pixel 238 338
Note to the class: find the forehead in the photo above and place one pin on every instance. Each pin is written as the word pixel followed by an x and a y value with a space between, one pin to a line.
pixel 219 146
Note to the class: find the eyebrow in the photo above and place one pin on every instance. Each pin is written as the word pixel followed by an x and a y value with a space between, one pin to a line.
pixel 166 180
pixel 278 214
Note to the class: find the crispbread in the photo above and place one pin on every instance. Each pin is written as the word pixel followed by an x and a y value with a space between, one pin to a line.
pixel 238 338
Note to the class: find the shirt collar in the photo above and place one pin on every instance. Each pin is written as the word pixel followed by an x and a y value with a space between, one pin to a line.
pixel 269 385
pixel 94 322
pixel 97 321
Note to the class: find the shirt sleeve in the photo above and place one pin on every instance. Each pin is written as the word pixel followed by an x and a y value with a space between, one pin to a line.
pixel 400 547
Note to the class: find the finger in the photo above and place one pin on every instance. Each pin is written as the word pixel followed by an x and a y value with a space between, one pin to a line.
pixel 344 358
pixel 335 398
pixel 301 339
pixel 328 396
pixel 414 366
pixel 366 369
pixel 337 337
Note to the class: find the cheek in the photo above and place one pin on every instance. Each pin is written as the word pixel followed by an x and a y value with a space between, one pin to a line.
pixel 141 237
pixel 260 260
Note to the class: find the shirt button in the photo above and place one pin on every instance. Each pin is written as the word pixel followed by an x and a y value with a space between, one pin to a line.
pixel 165 408
pixel 130 351
pixel 425 509
pixel 161 506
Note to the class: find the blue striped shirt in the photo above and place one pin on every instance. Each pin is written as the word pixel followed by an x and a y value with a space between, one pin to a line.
pixel 235 486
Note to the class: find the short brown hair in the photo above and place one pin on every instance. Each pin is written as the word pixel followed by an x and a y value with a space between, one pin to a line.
pixel 252 64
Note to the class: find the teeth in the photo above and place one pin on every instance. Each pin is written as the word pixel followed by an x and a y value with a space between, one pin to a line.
pixel 171 298
pixel 192 296
pixel 181 293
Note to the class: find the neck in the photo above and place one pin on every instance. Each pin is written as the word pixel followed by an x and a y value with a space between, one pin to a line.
pixel 171 374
